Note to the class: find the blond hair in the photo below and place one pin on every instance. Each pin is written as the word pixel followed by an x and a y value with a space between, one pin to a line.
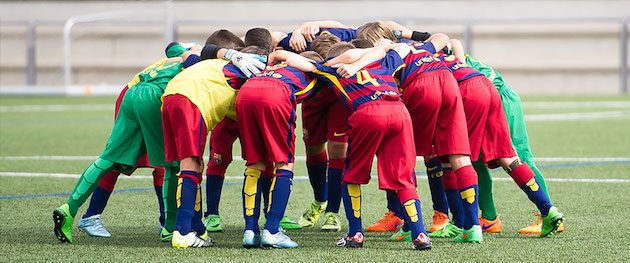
pixel 374 31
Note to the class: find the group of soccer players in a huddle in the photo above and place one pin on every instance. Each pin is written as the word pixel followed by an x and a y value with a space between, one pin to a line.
pixel 380 90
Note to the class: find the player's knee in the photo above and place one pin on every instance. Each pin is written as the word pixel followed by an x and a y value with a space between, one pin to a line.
pixel 337 150
pixel 284 166
pixel 457 161
pixel 103 164
pixel 315 149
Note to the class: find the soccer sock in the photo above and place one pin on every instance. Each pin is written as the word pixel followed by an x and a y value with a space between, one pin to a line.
pixel 438 197
pixel 101 194
pixel 452 195
pixel 335 171
pixel 316 167
pixel 539 177
pixel 486 197
pixel 393 204
pixel 187 196
pixel 468 189
pixel 158 182
pixel 351 194
pixel 526 180
pixel 169 197
pixel 87 182
pixel 251 199
pixel 278 199
pixel 214 185
pixel 413 211
pixel 265 185
pixel 197 219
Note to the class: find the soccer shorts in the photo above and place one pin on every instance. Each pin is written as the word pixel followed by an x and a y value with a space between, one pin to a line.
pixel 487 126
pixel 384 129
pixel 324 118
pixel 437 114
pixel 144 160
pixel 222 138
pixel 265 109
pixel 184 129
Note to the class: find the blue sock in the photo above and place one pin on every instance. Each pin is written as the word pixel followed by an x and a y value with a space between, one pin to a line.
pixel 469 194
pixel 158 193
pixel 187 189
pixel 265 186
pixel 455 204
pixel 413 217
pixel 98 202
pixel 438 197
pixel 279 198
pixel 350 193
pixel 527 181
pixel 334 190
pixel 393 204
pixel 251 199
pixel 317 177
pixel 214 185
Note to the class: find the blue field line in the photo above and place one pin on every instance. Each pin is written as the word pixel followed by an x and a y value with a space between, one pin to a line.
pixel 418 173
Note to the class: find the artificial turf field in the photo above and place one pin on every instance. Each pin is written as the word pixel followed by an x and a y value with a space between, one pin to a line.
pixel 35 132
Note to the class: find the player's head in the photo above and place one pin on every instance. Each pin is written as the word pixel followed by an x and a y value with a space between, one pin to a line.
pixel 338 49
pixel 374 31
pixel 255 50
pixel 259 37
pixel 323 42
pixel 225 39
pixel 312 55
pixel 362 43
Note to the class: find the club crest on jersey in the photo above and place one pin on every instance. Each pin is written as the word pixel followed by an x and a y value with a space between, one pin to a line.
pixel 217 158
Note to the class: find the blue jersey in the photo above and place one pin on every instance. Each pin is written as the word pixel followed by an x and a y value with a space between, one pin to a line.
pixel 420 60
pixel 345 34
pixel 302 86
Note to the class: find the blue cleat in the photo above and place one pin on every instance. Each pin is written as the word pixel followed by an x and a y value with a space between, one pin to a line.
pixel 250 240
pixel 277 240
pixel 93 226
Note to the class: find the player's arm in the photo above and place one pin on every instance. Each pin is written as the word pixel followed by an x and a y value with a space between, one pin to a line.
pixel 249 64
pixel 373 54
pixel 311 28
pixel 276 37
pixel 292 59
pixel 401 31
pixel 458 49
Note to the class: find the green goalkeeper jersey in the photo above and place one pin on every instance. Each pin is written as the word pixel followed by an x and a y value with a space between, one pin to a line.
pixel 487 71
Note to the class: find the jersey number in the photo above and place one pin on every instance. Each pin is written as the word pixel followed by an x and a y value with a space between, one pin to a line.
pixel 363 77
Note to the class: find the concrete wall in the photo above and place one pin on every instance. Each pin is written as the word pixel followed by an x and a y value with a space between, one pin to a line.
pixel 550 57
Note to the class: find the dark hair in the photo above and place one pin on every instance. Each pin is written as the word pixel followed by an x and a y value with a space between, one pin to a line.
pixel 312 55
pixel 361 43
pixel 259 37
pixel 323 42
pixel 255 50
pixel 225 39
pixel 338 49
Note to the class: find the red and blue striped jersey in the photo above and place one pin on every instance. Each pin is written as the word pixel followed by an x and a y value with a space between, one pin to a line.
pixel 419 60
pixel 461 71
pixel 234 77
pixel 374 82
pixel 345 34
pixel 303 86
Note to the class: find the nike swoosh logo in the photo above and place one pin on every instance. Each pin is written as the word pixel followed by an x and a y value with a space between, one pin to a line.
pixel 466 236
pixel 339 134
pixel 400 238
pixel 485 227
pixel 431 168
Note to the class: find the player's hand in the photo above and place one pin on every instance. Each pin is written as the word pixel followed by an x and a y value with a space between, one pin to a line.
pixel 309 30
pixel 249 64
pixel 345 70
pixel 297 41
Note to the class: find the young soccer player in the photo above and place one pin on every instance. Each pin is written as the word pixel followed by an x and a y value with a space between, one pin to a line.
pixel 301 39
pixel 381 126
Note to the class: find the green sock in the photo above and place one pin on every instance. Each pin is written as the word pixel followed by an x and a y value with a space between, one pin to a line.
pixel 540 179
pixel 169 193
pixel 87 182
pixel 486 197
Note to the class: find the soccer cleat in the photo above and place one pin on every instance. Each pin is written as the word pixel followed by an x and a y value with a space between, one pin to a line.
pixel 561 227
pixel 287 223
pixel 166 236
pixel 551 222
pixel 63 223
pixel 401 235
pixel 348 241
pixel 213 223
pixel 472 235
pixel 208 240
pixel 450 230
pixel 250 240
pixel 189 240
pixel 331 222
pixel 491 226
pixel 534 228
pixel 93 226
pixel 312 213
pixel 422 242
pixel 277 240
pixel 388 223
pixel 440 220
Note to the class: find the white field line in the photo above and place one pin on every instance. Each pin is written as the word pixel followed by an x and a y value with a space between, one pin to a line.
pixel 576 104
pixel 303 178
pixel 303 158
pixel 573 116
pixel 57 108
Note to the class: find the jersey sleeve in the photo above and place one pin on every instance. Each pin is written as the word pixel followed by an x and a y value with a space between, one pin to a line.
pixel 345 34
pixel 284 43
pixel 191 60
pixel 429 47
pixel 392 61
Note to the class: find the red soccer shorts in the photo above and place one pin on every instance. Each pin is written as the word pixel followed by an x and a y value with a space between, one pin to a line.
pixel 266 120
pixel 184 129
pixel 324 118
pixel 222 138
pixel 384 129
pixel 487 125
pixel 437 114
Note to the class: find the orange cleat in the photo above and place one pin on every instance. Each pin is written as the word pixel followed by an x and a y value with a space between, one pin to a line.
pixel 388 223
pixel 491 226
pixel 535 228
pixel 440 220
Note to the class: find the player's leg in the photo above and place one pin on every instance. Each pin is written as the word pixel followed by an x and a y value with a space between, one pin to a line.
pixel 91 222
pixel 169 199
pixel 489 220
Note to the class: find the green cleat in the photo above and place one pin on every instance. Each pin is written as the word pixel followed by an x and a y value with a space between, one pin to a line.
pixel 450 230
pixel 551 222
pixel 63 223
pixel 312 213
pixel 166 236
pixel 287 223
pixel 213 223
pixel 331 222
pixel 401 235
pixel 472 235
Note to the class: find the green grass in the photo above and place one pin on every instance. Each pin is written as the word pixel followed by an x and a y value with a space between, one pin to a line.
pixel 596 213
